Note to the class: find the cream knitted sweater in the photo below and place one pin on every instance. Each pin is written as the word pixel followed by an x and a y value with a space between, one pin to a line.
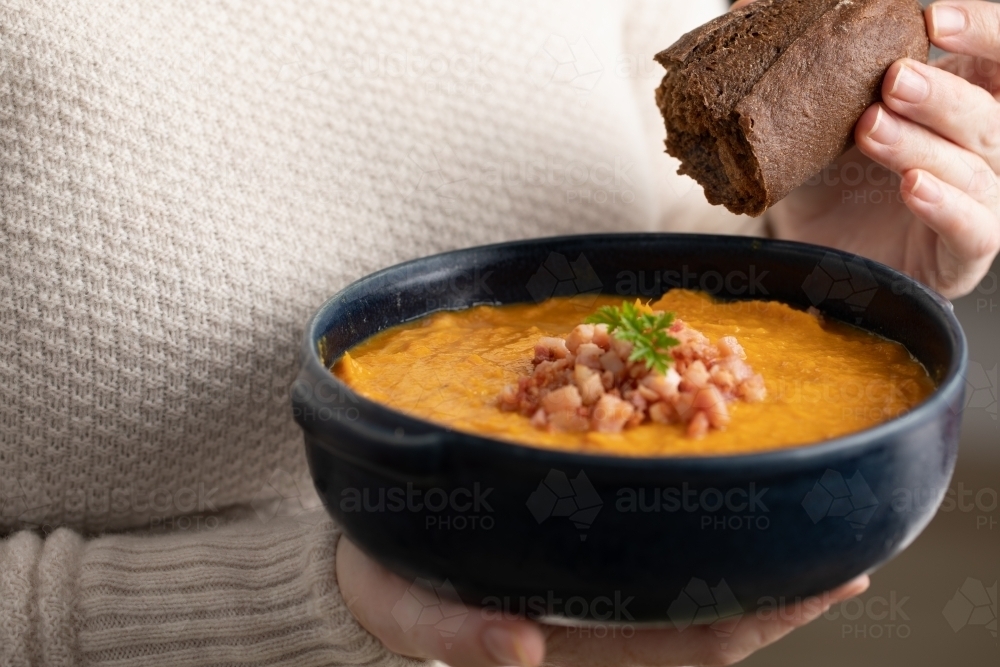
pixel 182 184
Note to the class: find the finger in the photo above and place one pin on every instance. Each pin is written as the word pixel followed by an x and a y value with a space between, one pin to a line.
pixel 759 630
pixel 636 647
pixel 949 106
pixel 982 72
pixel 967 230
pixel 694 645
pixel 972 28
pixel 740 3
pixel 901 145
pixel 383 603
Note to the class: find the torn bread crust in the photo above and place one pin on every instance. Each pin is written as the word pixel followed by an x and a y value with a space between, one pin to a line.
pixel 759 100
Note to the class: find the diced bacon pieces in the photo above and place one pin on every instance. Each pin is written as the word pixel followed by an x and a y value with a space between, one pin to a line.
pixel 509 397
pixel 601 336
pixel 662 413
pixel 711 402
pixel 584 333
pixel 610 414
pixel 739 369
pixel 684 405
pixel 621 348
pixel 698 426
pixel 723 379
pixel 586 382
pixel 696 376
pixel 550 348
pixel 612 362
pixel 568 421
pixel 752 390
pixel 565 398
pixel 664 385
pixel 730 347
pixel 589 355
pixel 648 394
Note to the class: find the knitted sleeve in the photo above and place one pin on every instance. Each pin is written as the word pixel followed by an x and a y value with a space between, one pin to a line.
pixel 247 593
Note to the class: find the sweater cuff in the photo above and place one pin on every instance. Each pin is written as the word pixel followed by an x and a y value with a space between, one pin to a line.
pixel 254 593
pixel 249 593
pixel 18 558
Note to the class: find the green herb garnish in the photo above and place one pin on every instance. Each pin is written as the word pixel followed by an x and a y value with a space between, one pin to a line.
pixel 646 331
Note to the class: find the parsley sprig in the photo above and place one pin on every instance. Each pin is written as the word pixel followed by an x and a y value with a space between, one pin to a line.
pixel 646 330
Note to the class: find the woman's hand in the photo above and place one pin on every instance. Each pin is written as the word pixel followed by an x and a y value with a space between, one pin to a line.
pixel 938 128
pixel 371 592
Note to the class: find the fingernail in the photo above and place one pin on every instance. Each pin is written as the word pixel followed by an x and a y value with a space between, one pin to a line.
pixel 859 584
pixel 926 189
pixel 505 647
pixel 946 21
pixel 885 130
pixel 909 86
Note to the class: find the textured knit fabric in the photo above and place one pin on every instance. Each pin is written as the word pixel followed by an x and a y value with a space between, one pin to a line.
pixel 182 184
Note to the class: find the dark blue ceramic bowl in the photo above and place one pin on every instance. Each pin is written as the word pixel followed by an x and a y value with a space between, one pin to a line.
pixel 584 538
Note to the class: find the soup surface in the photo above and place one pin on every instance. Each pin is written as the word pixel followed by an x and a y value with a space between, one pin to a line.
pixel 824 379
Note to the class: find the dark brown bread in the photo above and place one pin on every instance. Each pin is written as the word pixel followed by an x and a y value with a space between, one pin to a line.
pixel 761 99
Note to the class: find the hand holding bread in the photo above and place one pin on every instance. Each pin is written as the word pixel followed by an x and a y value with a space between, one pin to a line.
pixel 918 190
pixel 937 130
pixel 760 99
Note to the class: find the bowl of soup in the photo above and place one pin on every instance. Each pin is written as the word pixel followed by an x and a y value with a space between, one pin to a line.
pixel 474 424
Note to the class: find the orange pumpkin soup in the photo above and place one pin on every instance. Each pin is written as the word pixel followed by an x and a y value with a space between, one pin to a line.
pixel 823 379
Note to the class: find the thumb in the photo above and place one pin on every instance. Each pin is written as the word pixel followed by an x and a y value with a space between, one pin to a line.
pixel 757 632
pixel 740 3
pixel 416 619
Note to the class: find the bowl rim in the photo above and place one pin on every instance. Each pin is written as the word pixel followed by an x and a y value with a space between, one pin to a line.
pixel 793 454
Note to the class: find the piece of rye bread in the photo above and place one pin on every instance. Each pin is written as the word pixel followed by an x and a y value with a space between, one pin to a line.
pixel 761 99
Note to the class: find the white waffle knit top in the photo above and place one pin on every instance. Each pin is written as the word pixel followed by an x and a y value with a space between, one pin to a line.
pixel 181 185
